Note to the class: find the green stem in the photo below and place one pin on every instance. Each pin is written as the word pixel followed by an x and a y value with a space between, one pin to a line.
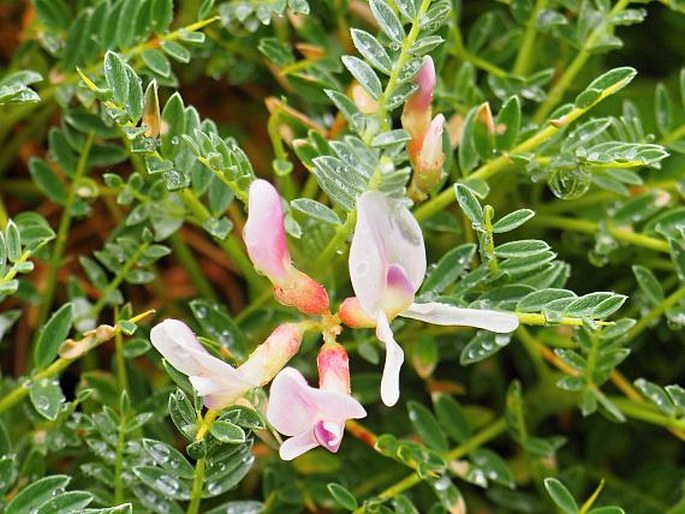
pixel 487 434
pixel 122 375
pixel 524 62
pixel 63 232
pixel 19 392
pixel 399 65
pixel 196 493
pixel 458 50
pixel 230 244
pixel 199 473
pixel 47 94
pixel 342 233
pixel 645 412
pixel 674 135
pixel 578 63
pixel 119 463
pixel 492 168
pixel 591 227
pixel 530 345
pixel 190 264
pixel 285 181
pixel 118 279
pixel 646 320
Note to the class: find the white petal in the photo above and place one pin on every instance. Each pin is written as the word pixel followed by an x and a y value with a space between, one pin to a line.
pixel 292 408
pixel 179 346
pixel 394 357
pixel 296 446
pixel 386 233
pixel 334 405
pixel 443 314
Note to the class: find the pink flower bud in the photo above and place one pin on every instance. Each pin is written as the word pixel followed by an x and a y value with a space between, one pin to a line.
pixel 301 291
pixel 273 354
pixel 264 232
pixel 416 114
pixel 264 236
pixel 334 368
pixel 352 314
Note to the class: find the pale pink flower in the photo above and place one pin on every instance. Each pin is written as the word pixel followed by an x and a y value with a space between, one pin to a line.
pixel 264 236
pixel 313 417
pixel 387 266
pixel 219 383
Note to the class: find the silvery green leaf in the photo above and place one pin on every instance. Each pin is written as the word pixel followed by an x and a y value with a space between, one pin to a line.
pixel 392 137
pixel 316 210
pixel 387 20
pixel 407 9
pixel 363 73
pixel 372 50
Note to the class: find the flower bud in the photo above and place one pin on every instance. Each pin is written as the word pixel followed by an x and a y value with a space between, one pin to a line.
pixel 273 354
pixel 352 314
pixel 416 114
pixel 264 232
pixel 334 368
pixel 264 236
pixel 301 291
pixel 429 159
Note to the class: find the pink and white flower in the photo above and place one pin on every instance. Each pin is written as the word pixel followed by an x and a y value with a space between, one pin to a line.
pixel 219 383
pixel 313 417
pixel 264 236
pixel 387 266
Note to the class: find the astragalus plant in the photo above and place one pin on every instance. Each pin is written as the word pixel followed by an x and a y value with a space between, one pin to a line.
pixel 384 256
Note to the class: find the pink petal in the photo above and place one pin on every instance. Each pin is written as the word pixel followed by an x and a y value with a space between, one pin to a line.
pixel 399 292
pixel 416 113
pixel 296 446
pixel 386 233
pixel 291 409
pixel 426 80
pixel 443 314
pixel 264 232
pixel 329 434
pixel 394 357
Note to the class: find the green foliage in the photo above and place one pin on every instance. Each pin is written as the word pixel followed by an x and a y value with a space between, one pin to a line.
pixel 561 203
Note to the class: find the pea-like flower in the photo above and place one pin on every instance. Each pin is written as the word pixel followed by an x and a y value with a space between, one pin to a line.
pixel 264 236
pixel 219 383
pixel 387 266
pixel 313 417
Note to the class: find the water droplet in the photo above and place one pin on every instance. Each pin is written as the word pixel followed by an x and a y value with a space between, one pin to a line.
pixel 569 184
pixel 167 484
pixel 214 488
pixel 159 452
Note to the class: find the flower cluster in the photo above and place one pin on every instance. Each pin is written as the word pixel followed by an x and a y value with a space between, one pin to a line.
pixel 387 265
